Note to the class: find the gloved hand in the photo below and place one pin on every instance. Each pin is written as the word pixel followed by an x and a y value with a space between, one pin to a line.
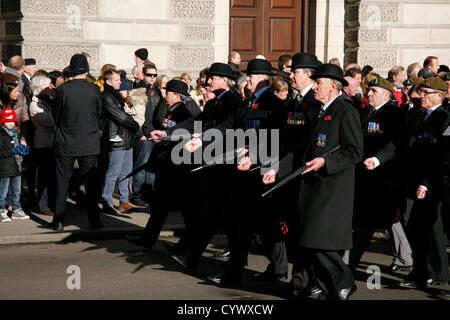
pixel 21 149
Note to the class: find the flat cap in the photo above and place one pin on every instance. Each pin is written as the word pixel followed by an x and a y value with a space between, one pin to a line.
pixel 435 83
pixel 382 83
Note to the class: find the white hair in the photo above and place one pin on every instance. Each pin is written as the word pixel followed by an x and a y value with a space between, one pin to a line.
pixel 135 70
pixel 38 84
pixel 339 85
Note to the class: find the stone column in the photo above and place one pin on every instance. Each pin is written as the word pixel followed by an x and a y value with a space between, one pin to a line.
pixel 329 30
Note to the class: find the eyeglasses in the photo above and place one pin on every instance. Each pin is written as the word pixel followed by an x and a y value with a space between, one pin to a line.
pixel 151 75
pixel 425 93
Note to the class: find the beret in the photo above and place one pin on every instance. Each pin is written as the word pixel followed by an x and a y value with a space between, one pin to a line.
pixel 382 83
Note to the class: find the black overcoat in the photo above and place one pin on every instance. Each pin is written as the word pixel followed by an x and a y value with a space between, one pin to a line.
pixel 324 219
pixel 77 114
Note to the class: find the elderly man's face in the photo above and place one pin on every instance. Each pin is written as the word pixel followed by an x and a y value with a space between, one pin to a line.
pixel 253 80
pixel 31 70
pixel 172 98
pixel 377 96
pixel 217 83
pixel 352 87
pixel 430 97
pixel 399 79
pixel 323 89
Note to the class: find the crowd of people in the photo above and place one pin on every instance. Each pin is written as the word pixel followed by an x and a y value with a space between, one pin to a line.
pixel 370 153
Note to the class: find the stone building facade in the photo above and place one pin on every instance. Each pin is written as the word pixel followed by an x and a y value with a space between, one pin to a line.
pixel 187 35
pixel 181 35
pixel 396 32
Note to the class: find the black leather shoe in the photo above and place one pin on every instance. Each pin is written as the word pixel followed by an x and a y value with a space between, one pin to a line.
pixel 432 282
pixel 57 226
pixel 269 276
pixel 344 294
pixel 408 284
pixel 218 279
pixel 185 262
pixel 395 268
pixel 224 254
pixel 314 290
pixel 138 241
pixel 443 294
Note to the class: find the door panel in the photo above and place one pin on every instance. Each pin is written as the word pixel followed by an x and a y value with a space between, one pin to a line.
pixel 267 27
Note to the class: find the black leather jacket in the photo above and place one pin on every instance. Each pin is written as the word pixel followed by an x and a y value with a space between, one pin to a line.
pixel 128 129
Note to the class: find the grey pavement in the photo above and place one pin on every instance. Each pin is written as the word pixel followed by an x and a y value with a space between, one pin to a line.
pixel 37 258
pixel 116 270
pixel 76 226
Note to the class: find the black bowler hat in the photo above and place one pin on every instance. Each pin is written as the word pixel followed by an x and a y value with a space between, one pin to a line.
pixel 330 71
pixel 220 70
pixel 177 86
pixel 304 60
pixel 30 62
pixel 259 66
pixel 141 53
pixel 78 64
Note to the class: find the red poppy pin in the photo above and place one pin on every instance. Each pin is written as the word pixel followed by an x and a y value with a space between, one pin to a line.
pixel 169 116
pixel 219 105
pixel 304 106
pixel 254 106
pixel 152 92
pixel 327 118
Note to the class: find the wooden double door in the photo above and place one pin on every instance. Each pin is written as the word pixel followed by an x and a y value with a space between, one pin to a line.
pixel 267 27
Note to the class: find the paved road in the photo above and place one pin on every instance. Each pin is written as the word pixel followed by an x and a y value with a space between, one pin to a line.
pixel 114 269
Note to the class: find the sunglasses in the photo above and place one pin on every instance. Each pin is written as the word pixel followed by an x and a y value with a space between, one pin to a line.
pixel 151 75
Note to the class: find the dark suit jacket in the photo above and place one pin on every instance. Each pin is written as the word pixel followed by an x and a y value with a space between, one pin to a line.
pixel 426 154
pixel 377 191
pixel 324 219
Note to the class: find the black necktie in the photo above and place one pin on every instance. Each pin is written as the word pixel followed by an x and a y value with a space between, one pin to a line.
pixel 320 113
pixel 250 100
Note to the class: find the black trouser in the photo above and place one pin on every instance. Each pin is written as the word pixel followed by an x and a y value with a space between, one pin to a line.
pixel 428 243
pixel 88 171
pixel 326 268
pixel 251 213
pixel 172 192
pixel 362 236
pixel 211 211
pixel 46 180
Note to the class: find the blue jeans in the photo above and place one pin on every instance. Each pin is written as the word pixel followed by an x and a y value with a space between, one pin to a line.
pixel 14 194
pixel 142 151
pixel 120 165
